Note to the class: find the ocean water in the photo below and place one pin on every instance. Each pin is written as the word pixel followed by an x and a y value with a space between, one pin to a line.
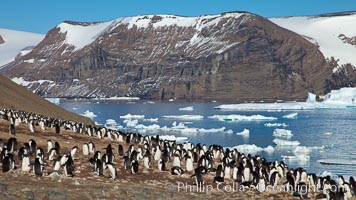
pixel 328 133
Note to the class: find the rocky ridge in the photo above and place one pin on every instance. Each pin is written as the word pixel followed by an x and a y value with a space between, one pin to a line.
pixel 236 56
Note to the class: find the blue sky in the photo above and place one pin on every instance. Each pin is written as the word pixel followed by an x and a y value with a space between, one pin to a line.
pixel 41 15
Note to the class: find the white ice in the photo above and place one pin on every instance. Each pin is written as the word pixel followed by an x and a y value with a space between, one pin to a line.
pixel 275 124
pixel 189 108
pixel 173 138
pixel 252 148
pixel 297 158
pixel 337 161
pixel 130 116
pixel 280 142
pixel 282 133
pixel 244 133
pixel 290 116
pixel 89 114
pixel 242 118
pixel 56 101
pixel 184 117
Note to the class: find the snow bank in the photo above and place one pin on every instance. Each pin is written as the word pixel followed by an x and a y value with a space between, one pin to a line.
pixel 280 142
pixel 290 116
pixel 15 41
pixel 282 133
pixel 275 124
pixel 89 114
pixel 244 133
pixel 324 32
pixel 80 36
pixel 184 117
pixel 189 108
pixel 242 118
pixel 129 116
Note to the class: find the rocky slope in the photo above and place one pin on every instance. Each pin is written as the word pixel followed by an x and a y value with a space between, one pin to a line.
pixel 228 57
pixel 1 40
pixel 16 97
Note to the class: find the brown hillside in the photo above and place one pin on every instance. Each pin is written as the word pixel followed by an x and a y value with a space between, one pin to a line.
pixel 19 98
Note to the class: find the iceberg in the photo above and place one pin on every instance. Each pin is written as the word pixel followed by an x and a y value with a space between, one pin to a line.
pixel 173 138
pixel 291 116
pixel 244 133
pixel 129 116
pixel 212 130
pixel 151 120
pixel 89 114
pixel 252 148
pixel 301 150
pixel 131 123
pixel 275 124
pixel 302 158
pixel 280 142
pixel 242 118
pixel 189 108
pixel 184 117
pixel 282 133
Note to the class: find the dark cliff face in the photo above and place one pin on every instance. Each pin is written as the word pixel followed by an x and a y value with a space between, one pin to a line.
pixel 1 40
pixel 223 57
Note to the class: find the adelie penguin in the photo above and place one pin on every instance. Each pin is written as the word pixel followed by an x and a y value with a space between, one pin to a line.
pixel 8 163
pixel 134 167
pixel 177 170
pixel 199 181
pixel 85 149
pixel 12 129
pixel 38 167
pixel 69 167
pixel 120 150
pixel 25 163
pixel 57 127
pixel 112 170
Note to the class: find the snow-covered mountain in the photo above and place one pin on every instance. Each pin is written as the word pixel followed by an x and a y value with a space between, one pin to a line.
pixel 230 56
pixel 334 34
pixel 15 42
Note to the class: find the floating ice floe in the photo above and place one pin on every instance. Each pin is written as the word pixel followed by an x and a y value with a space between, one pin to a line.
pixel 328 133
pixel 268 106
pixel 282 133
pixel 131 123
pixel 74 108
pixel 184 117
pixel 242 118
pixel 342 98
pixel 301 150
pixel 129 116
pixel 244 133
pixel 252 148
pixel 280 142
pixel 89 114
pixel 290 116
pixel 111 122
pixel 276 125
pixel 302 158
pixel 151 120
pixel 189 108
pixel 337 162
pixel 173 138
pixel 211 130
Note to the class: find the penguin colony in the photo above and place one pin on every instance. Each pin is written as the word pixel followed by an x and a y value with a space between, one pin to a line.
pixel 206 164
